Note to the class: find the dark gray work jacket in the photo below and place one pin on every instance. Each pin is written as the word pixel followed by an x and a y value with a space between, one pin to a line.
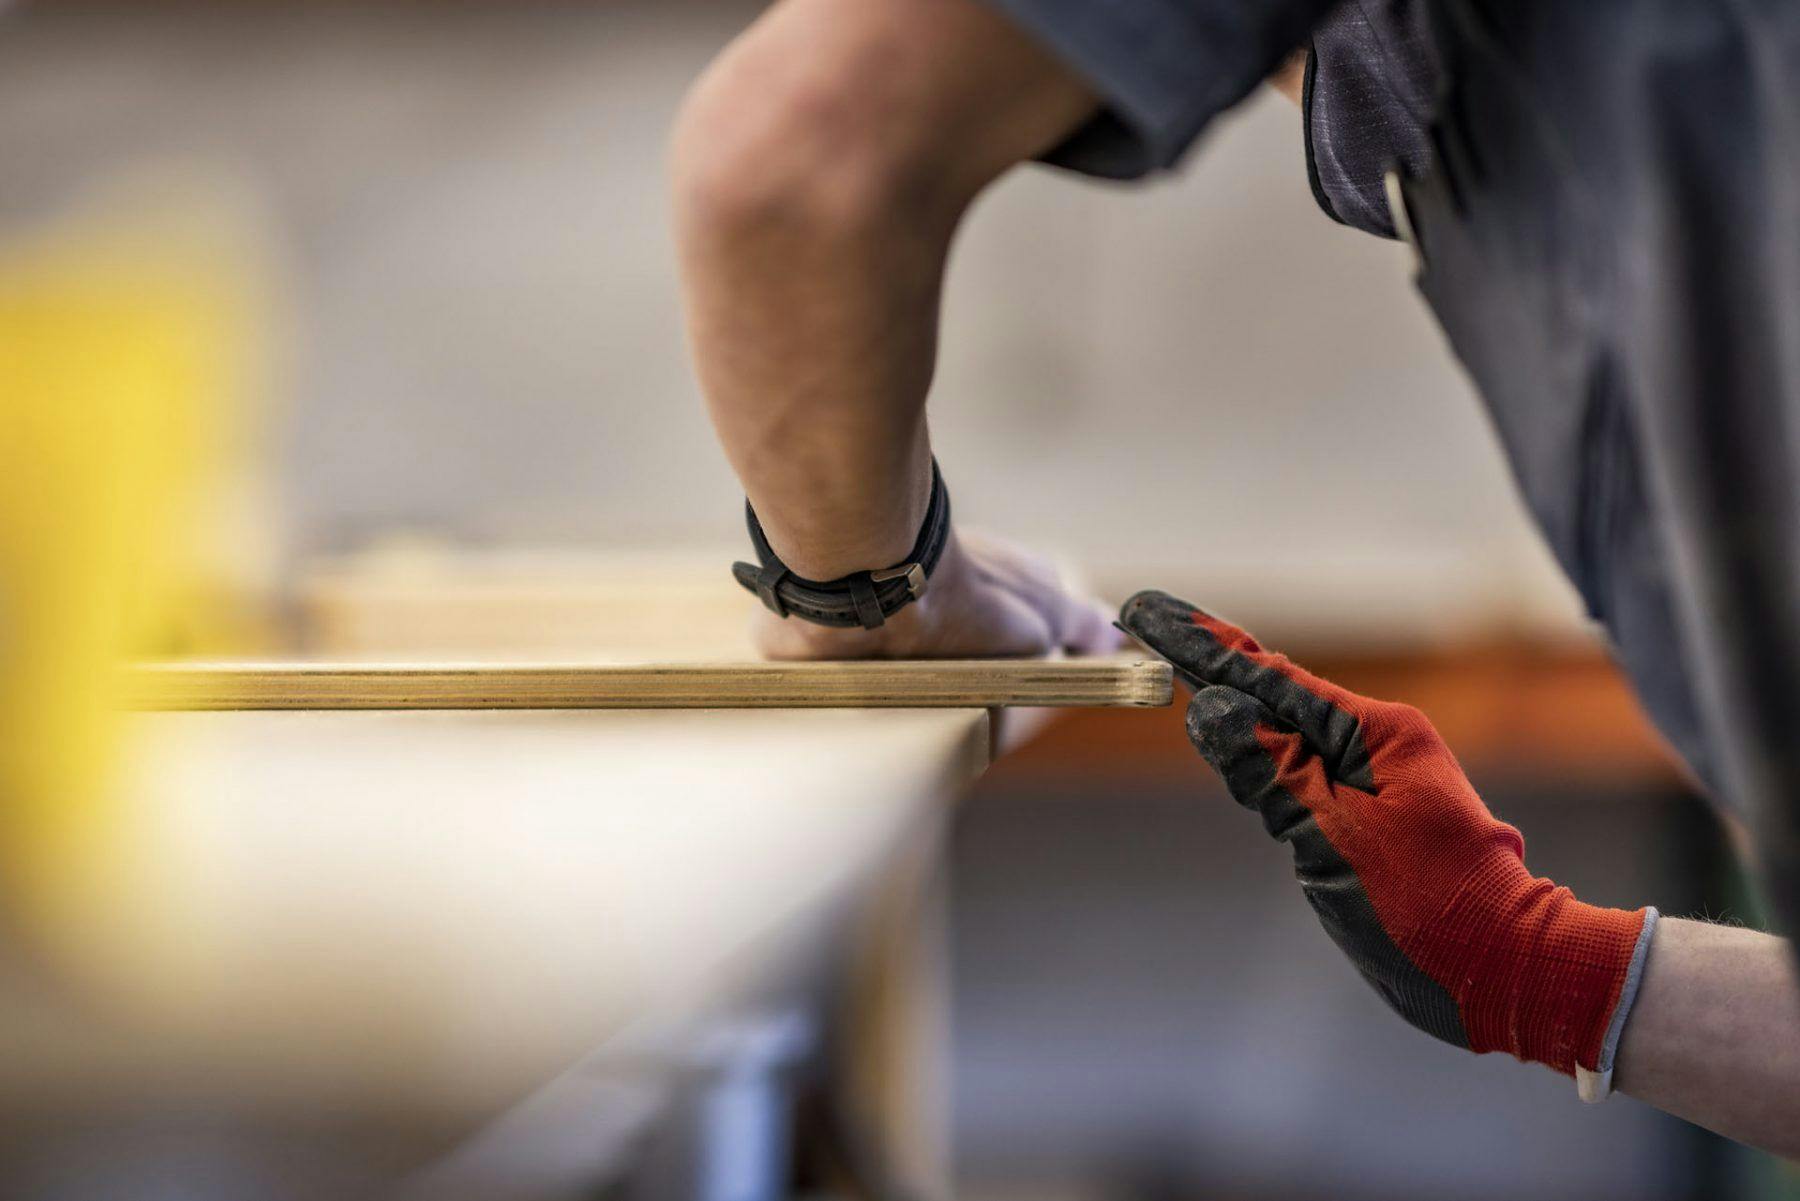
pixel 1605 200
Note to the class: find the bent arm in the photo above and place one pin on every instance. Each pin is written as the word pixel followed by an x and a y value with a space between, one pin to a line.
pixel 821 167
pixel 1715 1034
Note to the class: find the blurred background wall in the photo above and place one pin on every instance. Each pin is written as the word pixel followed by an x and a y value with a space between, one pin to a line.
pixel 1202 385
pixel 482 338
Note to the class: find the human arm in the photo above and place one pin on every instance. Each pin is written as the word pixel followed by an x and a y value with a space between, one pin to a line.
pixel 1715 1034
pixel 821 167
pixel 1428 895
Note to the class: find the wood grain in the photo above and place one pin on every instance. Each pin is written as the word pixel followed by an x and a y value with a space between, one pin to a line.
pixel 957 684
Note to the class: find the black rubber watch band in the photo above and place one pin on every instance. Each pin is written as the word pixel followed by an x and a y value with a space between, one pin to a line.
pixel 862 598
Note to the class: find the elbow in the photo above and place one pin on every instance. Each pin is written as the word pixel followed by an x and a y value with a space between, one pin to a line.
pixel 769 152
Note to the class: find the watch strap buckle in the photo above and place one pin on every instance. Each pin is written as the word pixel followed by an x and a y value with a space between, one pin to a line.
pixel 912 573
pixel 860 598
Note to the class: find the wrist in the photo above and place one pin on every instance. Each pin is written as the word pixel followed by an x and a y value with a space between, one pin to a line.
pixel 822 556
pixel 919 629
pixel 866 597
pixel 1555 986
pixel 818 540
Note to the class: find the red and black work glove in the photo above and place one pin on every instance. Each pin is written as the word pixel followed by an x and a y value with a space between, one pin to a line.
pixel 1422 887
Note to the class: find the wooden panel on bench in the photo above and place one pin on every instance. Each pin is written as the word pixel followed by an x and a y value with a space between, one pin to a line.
pixel 960 684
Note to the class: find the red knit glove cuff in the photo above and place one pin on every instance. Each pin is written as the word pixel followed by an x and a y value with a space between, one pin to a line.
pixel 1556 981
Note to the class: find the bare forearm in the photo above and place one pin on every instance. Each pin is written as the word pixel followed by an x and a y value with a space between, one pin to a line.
pixel 1715 1034
pixel 822 166
pixel 815 342
pixel 815 355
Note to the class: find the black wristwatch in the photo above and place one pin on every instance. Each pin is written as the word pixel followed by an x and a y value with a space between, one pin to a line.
pixel 862 598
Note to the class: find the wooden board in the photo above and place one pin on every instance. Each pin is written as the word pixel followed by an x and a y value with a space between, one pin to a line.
pixel 957 684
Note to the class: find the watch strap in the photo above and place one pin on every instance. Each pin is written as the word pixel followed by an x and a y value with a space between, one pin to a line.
pixel 862 598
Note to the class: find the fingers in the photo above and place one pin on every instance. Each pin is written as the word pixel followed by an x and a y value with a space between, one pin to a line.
pixel 1076 624
pixel 1221 723
pixel 1086 629
pixel 1207 651
pixel 1266 767
pixel 1213 651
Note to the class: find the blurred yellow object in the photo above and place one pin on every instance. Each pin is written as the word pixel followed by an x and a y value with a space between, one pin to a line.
pixel 126 349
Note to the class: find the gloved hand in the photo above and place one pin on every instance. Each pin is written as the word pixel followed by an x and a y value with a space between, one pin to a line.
pixel 1423 888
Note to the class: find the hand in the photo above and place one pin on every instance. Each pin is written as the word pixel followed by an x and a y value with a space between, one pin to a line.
pixel 986 598
pixel 1409 873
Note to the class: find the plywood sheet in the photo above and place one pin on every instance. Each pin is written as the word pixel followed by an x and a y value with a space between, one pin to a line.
pixel 957 684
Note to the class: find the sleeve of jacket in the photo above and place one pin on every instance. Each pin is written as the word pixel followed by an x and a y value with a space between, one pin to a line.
pixel 1162 68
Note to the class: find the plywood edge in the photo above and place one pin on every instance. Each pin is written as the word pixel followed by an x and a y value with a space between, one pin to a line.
pixel 956 684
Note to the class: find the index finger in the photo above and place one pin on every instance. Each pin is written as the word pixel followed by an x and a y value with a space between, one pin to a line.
pixel 1206 651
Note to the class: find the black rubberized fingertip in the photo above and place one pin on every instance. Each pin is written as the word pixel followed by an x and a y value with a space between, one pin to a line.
pixel 1221 723
pixel 1150 611
pixel 1166 625
pixel 1160 621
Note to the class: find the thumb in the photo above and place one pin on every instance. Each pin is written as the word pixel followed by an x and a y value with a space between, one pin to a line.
pixel 1222 723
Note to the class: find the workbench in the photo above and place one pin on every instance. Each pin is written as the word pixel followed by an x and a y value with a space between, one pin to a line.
pixel 514 900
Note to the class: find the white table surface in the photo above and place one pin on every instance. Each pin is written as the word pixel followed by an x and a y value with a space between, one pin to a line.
pixel 443 909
